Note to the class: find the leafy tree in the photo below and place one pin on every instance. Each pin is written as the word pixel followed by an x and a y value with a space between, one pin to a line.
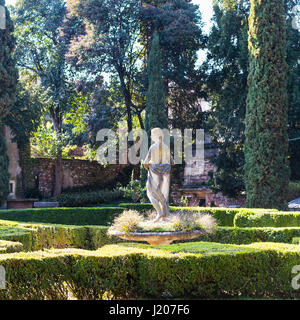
pixel 41 49
pixel 111 44
pixel 23 120
pixel 227 71
pixel 180 28
pixel 108 44
pixel 8 82
pixel 266 145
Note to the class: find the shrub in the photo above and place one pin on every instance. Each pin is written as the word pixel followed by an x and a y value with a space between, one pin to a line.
pixel 10 246
pixel 251 235
pixel 127 271
pixel 267 219
pixel 36 236
pixel 69 216
pixel 294 190
pixel 84 199
pixel 135 192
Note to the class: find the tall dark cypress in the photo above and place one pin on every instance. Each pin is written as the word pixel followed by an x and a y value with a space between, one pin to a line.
pixel 8 82
pixel 266 146
pixel 8 71
pixel 4 174
pixel 156 114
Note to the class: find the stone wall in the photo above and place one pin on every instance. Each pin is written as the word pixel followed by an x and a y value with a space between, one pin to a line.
pixel 219 200
pixel 76 173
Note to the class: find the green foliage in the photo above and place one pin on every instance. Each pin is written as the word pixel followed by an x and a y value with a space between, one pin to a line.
pixel 156 113
pixel 243 235
pixel 70 216
pixel 135 192
pixel 215 271
pixel 26 113
pixel 8 71
pixel 266 146
pixel 227 71
pixel 42 236
pixel 294 190
pixel 4 174
pixel 10 246
pixel 267 219
pixel 223 216
pixel 89 198
pixel 46 144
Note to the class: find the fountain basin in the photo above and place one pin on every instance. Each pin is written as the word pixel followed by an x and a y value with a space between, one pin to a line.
pixel 158 238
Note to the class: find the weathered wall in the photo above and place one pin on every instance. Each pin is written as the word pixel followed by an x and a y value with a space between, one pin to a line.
pixel 219 200
pixel 76 173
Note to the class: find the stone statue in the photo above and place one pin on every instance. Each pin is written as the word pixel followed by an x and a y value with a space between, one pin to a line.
pixel 158 164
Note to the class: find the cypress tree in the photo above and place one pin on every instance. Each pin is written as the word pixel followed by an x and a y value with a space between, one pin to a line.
pixel 156 115
pixel 8 71
pixel 4 175
pixel 266 146
pixel 8 82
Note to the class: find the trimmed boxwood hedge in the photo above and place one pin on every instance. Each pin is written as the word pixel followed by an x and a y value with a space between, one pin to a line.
pixel 187 270
pixel 10 246
pixel 35 236
pixel 70 216
pixel 267 219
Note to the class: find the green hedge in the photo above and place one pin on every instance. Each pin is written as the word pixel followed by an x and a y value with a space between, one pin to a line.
pixel 69 216
pixel 84 199
pixel 250 235
pixel 224 216
pixel 267 219
pixel 10 246
pixel 35 237
pixel 128 271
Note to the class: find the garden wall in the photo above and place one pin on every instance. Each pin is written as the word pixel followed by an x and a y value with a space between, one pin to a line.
pixel 77 173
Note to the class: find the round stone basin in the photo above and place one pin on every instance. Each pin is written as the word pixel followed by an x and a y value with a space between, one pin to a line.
pixel 158 238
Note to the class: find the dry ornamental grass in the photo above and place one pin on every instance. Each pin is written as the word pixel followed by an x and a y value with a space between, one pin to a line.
pixel 133 221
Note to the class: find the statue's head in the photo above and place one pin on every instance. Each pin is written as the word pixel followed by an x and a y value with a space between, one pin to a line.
pixel 157 134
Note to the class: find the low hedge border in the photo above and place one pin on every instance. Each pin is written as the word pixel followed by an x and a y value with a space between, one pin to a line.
pixel 267 219
pixel 37 236
pixel 198 270
pixel 68 216
pixel 10 246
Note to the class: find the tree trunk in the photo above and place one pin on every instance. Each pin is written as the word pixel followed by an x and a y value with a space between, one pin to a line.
pixel 58 172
